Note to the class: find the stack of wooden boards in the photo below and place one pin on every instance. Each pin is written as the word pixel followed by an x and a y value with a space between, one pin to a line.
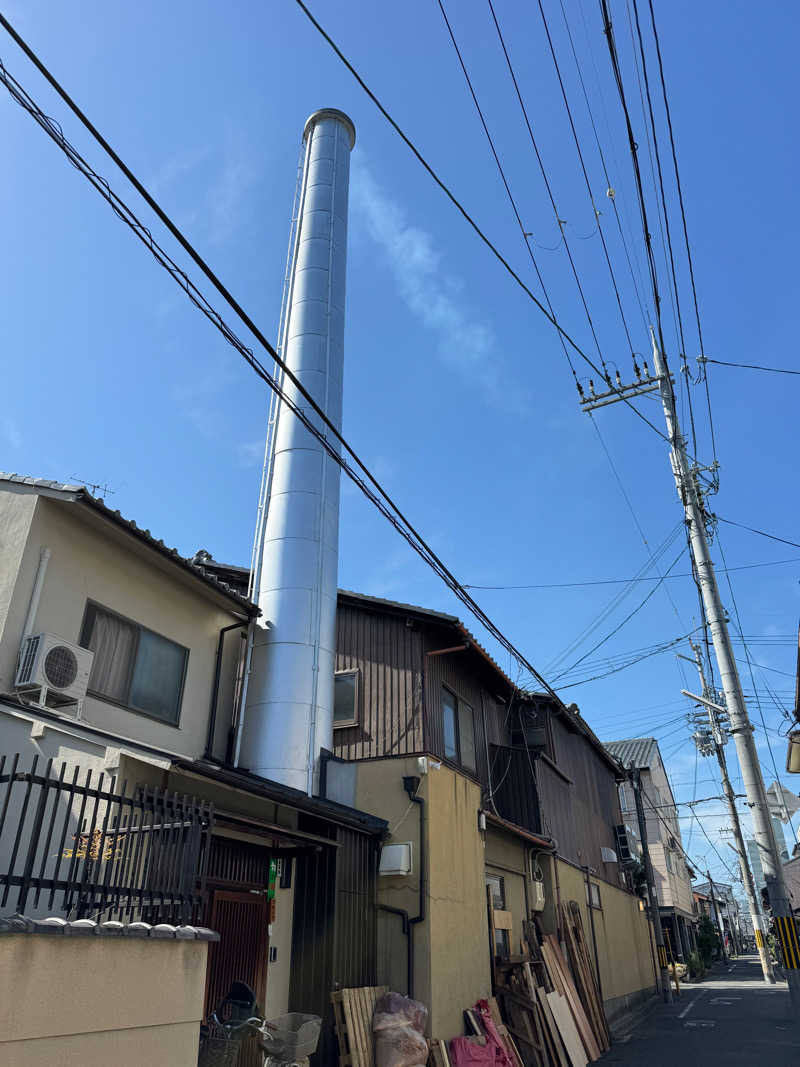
pixel 551 1002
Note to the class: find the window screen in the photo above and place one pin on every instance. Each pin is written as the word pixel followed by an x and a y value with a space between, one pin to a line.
pixel 345 698
pixel 134 666
pixel 466 735
pixel 449 715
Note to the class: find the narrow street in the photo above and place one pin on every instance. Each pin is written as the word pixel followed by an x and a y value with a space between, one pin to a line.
pixel 730 1018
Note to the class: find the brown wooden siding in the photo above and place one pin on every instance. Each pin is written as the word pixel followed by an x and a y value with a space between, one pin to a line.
pixel 515 794
pixel 388 655
pixel 335 924
pixel 579 814
pixel 457 671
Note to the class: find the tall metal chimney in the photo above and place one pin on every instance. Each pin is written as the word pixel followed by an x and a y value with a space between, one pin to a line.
pixel 289 706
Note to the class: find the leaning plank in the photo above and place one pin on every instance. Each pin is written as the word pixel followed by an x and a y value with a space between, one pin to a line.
pixel 566 1027
pixel 557 1051
pixel 566 987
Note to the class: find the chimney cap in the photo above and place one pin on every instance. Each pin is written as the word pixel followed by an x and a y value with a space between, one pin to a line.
pixel 330 113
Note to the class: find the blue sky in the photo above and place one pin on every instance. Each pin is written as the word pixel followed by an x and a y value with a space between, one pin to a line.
pixel 457 391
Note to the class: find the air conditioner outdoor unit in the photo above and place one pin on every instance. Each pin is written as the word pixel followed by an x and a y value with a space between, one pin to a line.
pixel 57 668
pixel 628 846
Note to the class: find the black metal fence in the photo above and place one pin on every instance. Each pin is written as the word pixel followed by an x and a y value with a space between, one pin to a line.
pixel 74 843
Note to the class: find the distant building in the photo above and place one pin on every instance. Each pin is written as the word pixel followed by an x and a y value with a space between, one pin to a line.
pixel 727 909
pixel 672 876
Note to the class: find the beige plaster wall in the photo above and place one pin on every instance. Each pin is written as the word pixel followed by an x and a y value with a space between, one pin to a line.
pixel 91 560
pixel 379 791
pixel 451 947
pixel 95 1001
pixel 16 515
pixel 505 856
pixel 460 965
pixel 621 930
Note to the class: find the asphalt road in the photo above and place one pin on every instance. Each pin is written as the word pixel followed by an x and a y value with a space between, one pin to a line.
pixel 732 1017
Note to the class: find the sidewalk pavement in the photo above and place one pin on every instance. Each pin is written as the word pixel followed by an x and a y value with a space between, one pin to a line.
pixel 732 1017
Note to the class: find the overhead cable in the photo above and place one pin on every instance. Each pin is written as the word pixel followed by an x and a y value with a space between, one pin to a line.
pixel 510 195
pixel 368 485
pixel 761 533
pixel 470 220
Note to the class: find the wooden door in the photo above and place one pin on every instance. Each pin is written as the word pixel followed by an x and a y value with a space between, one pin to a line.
pixel 241 954
pixel 241 920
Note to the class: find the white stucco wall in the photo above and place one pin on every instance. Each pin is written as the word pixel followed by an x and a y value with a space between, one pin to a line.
pixel 93 560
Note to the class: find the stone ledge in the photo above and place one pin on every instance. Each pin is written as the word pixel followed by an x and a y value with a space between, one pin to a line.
pixel 21 924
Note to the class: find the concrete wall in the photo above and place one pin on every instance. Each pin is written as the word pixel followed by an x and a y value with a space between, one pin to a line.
pixel 95 1001
pixel 93 560
pixel 627 974
pixel 451 946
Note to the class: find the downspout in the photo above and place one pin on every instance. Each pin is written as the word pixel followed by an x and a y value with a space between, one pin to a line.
pixel 594 935
pixel 411 785
pixel 212 715
pixel 36 593
pixel 237 743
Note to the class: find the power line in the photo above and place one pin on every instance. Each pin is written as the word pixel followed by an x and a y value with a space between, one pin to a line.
pixel 673 272
pixel 626 581
pixel 683 217
pixel 627 618
pixel 610 192
pixel 616 600
pixel 468 218
pixel 377 496
pixel 761 533
pixel 578 148
pixel 638 659
pixel 749 366
pixel 513 202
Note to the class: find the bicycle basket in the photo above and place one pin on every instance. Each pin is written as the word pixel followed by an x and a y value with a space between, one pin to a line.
pixel 220 1046
pixel 291 1037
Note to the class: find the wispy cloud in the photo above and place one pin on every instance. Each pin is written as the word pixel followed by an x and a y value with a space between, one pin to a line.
pixel 250 453
pixel 433 294
pixel 222 183
pixel 10 431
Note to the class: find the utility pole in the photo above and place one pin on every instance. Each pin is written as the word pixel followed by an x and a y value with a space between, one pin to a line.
pixel 712 739
pixel 652 897
pixel 691 498
pixel 720 927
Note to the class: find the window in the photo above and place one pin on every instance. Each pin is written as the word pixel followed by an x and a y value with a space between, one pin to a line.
pixel 345 698
pixel 459 730
pixel 593 895
pixel 668 860
pixel 133 666
pixel 502 938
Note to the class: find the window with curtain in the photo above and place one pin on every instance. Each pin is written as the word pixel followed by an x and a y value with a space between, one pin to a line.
pixel 134 666
pixel 459 730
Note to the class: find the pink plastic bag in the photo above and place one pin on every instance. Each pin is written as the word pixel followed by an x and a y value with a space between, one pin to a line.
pixel 398 1024
pixel 463 1053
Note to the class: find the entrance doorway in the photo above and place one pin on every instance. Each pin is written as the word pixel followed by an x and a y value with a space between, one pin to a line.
pixel 241 920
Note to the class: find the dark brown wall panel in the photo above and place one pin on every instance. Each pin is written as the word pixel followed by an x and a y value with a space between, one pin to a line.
pixel 580 815
pixel 388 654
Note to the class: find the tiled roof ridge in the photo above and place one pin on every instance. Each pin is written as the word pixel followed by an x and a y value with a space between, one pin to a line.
pixel 55 925
pixel 82 493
